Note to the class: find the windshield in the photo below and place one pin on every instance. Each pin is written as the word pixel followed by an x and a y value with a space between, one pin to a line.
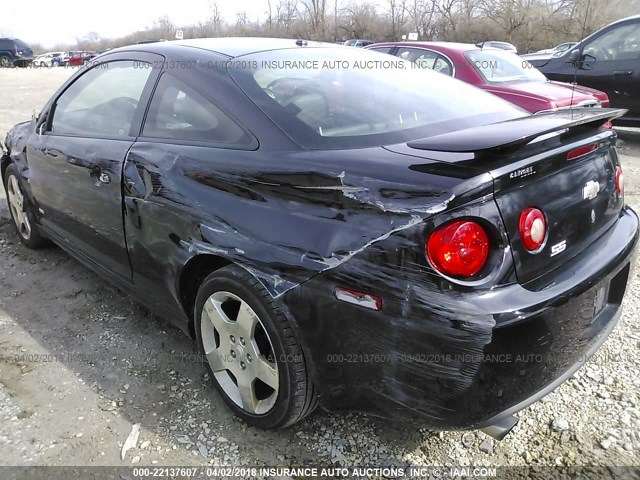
pixel 338 98
pixel 499 66
pixel 21 45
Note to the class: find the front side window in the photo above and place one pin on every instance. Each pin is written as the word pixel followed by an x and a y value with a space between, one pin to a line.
pixel 621 43
pixel 102 102
pixel 179 112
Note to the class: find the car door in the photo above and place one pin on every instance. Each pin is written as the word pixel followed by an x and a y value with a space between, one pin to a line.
pixel 611 63
pixel 77 154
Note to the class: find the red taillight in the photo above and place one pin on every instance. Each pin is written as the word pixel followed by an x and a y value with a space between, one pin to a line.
pixel 579 152
pixel 458 249
pixel 609 124
pixel 619 181
pixel 533 228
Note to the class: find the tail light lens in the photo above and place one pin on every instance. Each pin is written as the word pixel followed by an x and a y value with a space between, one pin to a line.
pixel 619 180
pixel 579 152
pixel 609 124
pixel 459 248
pixel 532 228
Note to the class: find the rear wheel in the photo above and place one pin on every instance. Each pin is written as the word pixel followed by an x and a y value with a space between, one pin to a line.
pixel 252 353
pixel 20 210
pixel 5 62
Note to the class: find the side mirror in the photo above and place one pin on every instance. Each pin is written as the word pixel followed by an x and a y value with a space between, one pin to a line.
pixel 574 57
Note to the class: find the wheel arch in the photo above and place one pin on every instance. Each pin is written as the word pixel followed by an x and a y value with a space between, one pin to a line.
pixel 191 277
pixel 5 161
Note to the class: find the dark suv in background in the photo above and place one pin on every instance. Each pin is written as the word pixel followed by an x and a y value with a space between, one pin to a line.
pixel 608 60
pixel 14 52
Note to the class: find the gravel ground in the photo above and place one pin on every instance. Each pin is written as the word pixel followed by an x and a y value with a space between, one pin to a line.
pixel 80 364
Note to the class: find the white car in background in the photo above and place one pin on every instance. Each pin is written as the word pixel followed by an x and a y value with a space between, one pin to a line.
pixel 50 59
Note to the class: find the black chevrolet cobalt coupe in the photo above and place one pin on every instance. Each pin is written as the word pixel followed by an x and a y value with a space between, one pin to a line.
pixel 335 226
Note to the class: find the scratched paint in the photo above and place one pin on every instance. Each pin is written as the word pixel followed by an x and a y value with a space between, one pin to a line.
pixel 303 222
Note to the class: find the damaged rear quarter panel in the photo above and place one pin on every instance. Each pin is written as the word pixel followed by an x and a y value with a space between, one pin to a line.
pixel 283 216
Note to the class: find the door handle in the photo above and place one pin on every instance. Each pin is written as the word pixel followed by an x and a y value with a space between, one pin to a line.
pixel 51 153
pixel 623 72
pixel 96 172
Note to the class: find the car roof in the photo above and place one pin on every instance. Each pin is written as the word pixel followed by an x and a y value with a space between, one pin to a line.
pixel 228 46
pixel 632 17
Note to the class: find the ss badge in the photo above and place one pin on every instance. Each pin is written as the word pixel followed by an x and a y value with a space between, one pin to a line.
pixel 558 248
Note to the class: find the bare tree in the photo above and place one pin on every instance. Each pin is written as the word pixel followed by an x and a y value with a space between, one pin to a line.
pixel 286 14
pixel 362 20
pixel 528 24
pixel 315 13
pixel 421 13
pixel 397 10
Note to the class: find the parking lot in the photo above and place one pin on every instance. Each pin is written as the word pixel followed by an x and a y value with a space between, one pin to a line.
pixel 80 364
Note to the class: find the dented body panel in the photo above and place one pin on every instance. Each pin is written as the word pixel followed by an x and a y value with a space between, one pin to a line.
pixel 447 353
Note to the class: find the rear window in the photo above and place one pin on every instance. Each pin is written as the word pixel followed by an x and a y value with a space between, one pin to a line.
pixel 338 98
pixel 500 66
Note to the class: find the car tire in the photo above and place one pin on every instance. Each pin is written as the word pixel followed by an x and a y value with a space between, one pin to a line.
pixel 21 211
pixel 5 62
pixel 254 358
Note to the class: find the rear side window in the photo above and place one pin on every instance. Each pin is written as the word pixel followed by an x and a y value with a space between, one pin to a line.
pixel 6 44
pixel 426 59
pixel 102 102
pixel 178 112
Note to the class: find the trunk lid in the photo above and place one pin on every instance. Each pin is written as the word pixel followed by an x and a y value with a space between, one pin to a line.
pixel 543 91
pixel 529 160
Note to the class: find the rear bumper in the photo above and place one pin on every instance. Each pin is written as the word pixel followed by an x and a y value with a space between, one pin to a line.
pixel 610 323
pixel 461 359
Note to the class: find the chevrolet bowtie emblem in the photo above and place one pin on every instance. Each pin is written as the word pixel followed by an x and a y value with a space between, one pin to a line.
pixel 590 190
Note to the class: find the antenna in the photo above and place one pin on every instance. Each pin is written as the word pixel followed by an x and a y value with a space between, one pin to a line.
pixel 575 65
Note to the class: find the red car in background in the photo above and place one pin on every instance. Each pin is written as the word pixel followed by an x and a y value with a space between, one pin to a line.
pixel 497 71
pixel 78 59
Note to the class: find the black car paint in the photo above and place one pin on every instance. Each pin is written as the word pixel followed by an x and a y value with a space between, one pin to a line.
pixel 16 51
pixel 308 221
pixel 620 79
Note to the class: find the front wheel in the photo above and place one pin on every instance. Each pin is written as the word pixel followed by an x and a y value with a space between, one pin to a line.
pixel 20 210
pixel 253 356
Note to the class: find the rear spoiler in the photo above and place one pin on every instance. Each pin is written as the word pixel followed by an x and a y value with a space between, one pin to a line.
pixel 517 132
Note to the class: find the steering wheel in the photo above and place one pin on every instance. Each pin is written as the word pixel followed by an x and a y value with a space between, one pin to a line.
pixel 270 86
pixel 124 109
pixel 599 54
pixel 122 103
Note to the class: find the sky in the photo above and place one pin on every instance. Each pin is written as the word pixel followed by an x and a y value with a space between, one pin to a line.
pixel 63 21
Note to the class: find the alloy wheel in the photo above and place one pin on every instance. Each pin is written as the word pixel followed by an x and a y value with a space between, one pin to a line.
pixel 18 208
pixel 240 353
